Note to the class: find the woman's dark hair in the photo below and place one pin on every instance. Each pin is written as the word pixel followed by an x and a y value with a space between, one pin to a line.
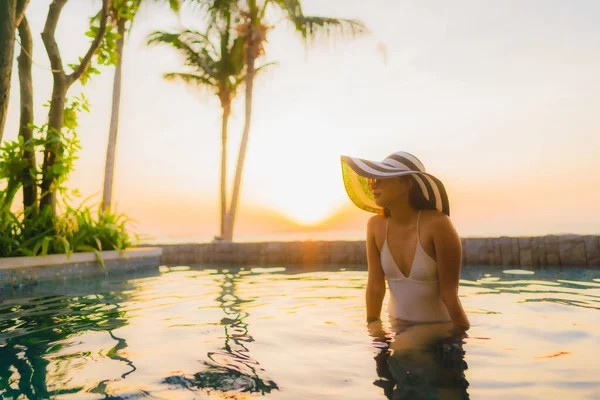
pixel 416 198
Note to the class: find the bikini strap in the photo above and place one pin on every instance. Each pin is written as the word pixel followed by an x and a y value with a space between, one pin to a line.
pixel 387 222
pixel 418 234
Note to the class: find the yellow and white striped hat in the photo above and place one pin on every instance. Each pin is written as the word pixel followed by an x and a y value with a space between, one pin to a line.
pixel 356 171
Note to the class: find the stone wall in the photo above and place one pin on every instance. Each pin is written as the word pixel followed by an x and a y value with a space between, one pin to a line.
pixel 23 271
pixel 26 276
pixel 527 252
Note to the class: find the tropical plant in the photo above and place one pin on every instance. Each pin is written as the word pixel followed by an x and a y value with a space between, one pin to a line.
pixel 218 68
pixel 62 81
pixel 43 232
pixel 38 229
pixel 73 230
pixel 253 27
pixel 15 166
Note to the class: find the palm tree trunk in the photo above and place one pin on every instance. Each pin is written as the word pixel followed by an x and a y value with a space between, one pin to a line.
pixel 252 54
pixel 25 131
pixel 224 122
pixel 109 168
pixel 7 45
pixel 11 14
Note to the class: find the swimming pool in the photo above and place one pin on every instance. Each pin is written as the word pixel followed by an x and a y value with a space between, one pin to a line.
pixel 296 333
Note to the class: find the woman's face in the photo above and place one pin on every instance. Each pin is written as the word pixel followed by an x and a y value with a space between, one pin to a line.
pixel 389 190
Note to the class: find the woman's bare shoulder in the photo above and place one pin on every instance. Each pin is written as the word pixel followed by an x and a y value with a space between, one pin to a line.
pixel 434 217
pixel 437 224
pixel 375 226
pixel 375 223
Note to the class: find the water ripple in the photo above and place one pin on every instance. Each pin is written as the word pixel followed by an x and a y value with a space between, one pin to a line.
pixel 289 332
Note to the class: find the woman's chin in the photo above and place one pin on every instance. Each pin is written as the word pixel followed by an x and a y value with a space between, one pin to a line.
pixel 379 203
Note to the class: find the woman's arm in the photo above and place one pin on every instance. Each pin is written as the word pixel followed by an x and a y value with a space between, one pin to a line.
pixel 376 279
pixel 448 251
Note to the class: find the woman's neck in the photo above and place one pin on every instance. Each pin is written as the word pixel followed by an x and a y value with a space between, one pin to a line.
pixel 403 214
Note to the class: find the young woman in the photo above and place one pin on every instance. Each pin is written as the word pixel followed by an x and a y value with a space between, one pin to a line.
pixel 411 242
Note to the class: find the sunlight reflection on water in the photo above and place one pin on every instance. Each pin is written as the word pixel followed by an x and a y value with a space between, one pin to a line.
pixel 296 333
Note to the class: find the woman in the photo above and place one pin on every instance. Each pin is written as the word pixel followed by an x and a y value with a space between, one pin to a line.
pixel 411 242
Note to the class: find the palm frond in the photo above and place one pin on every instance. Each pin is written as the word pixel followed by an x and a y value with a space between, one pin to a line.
pixel 219 7
pixel 239 80
pixel 219 69
pixel 198 38
pixel 161 37
pixel 236 56
pixel 312 26
pixel 218 11
pixel 196 58
pixel 189 78
pixel 175 5
pixel 264 66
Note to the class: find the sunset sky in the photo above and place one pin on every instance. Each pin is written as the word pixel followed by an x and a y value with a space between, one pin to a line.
pixel 500 100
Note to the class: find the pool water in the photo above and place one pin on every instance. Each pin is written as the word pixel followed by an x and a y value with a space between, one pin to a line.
pixel 296 333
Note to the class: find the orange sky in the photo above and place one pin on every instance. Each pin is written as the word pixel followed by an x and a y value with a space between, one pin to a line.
pixel 499 101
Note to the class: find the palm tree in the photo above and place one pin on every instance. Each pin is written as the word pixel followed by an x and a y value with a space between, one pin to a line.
pixel 122 14
pixel 253 28
pixel 219 69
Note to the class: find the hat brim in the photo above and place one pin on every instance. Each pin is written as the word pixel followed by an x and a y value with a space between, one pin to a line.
pixel 356 171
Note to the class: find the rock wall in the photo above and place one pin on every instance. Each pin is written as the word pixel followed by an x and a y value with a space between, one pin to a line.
pixel 20 277
pixel 527 252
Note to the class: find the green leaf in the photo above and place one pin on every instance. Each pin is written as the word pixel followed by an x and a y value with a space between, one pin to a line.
pixel 67 247
pixel 45 244
pixel 85 247
pixel 36 248
pixel 98 243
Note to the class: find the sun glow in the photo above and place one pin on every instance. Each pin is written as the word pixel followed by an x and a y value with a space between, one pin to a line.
pixel 304 183
pixel 305 211
pixel 303 196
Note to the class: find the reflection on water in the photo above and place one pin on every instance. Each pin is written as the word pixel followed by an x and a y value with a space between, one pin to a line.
pixel 230 368
pixel 36 328
pixel 296 333
pixel 113 355
pixel 420 361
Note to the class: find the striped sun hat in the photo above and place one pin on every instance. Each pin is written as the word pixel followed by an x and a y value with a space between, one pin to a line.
pixel 356 171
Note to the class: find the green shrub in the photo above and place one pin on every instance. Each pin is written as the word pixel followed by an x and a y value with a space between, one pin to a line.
pixel 39 230
pixel 72 230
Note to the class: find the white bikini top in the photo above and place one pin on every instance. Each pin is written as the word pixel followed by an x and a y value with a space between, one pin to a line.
pixel 423 268
pixel 414 297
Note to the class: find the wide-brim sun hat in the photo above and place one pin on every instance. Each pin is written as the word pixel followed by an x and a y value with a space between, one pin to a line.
pixel 357 171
